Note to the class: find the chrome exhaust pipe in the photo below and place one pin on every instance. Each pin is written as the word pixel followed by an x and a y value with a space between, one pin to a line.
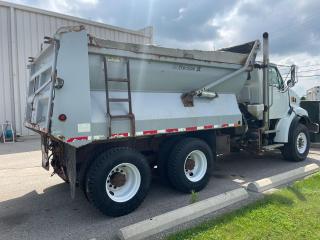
pixel 265 85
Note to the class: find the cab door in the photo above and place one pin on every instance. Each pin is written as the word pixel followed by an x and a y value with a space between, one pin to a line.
pixel 278 99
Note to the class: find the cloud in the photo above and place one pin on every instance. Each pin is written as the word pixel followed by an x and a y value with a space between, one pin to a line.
pixel 293 26
pixel 308 67
pixel 180 20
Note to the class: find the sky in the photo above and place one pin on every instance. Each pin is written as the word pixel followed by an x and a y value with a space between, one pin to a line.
pixel 293 25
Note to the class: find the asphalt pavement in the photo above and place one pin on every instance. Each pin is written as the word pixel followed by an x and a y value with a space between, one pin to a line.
pixel 35 205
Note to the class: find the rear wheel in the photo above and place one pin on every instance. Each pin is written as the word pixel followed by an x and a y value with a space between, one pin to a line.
pixel 189 165
pixel 298 145
pixel 118 181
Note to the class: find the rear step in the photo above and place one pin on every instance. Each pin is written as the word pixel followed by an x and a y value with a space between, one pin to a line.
pixel 119 100
pixel 117 80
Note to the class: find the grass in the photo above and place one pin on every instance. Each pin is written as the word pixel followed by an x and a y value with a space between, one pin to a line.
pixel 289 214
pixel 194 197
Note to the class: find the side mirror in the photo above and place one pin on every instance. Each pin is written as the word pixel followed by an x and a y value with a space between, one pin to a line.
pixel 292 81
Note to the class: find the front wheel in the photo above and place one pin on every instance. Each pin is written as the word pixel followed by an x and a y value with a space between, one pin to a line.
pixel 117 181
pixel 298 145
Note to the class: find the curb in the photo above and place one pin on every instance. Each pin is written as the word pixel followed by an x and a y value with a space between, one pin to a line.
pixel 315 145
pixel 283 178
pixel 152 226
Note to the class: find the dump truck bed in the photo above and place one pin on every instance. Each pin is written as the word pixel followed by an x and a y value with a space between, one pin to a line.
pixel 81 69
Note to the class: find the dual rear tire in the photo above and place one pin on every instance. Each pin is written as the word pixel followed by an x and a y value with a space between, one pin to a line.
pixel 118 180
pixel 189 165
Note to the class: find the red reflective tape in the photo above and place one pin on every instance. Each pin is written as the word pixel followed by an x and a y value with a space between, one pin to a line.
pixel 191 129
pixel 225 125
pixel 150 132
pixel 77 139
pixel 171 130
pixel 208 126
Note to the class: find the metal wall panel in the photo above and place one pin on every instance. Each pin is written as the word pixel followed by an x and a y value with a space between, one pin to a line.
pixel 21 33
pixel 6 109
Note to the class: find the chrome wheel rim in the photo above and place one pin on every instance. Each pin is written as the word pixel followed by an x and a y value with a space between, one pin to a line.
pixel 301 143
pixel 195 165
pixel 123 182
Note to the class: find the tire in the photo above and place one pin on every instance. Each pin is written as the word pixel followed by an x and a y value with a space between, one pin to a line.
pixel 118 181
pixel 163 159
pixel 195 178
pixel 298 145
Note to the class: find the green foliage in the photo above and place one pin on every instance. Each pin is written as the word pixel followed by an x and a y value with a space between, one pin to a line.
pixel 194 197
pixel 291 213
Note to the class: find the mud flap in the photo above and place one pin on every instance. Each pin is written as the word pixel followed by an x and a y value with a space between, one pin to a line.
pixel 45 152
pixel 70 154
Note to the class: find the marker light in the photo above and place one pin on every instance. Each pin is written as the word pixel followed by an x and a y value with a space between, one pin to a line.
pixel 62 117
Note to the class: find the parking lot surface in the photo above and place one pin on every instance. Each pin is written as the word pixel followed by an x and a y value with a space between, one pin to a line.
pixel 34 205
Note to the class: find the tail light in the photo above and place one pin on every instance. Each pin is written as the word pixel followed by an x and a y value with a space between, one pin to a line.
pixel 62 117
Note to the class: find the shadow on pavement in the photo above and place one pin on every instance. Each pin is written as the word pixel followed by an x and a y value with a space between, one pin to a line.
pixel 249 167
pixel 22 145
pixel 50 213
pixel 54 215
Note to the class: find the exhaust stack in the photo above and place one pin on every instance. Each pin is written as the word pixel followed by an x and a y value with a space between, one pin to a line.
pixel 265 85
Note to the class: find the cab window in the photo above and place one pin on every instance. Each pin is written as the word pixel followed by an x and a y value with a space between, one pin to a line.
pixel 275 78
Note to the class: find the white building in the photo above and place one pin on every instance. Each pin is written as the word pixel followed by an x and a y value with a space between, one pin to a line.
pixel 313 94
pixel 22 30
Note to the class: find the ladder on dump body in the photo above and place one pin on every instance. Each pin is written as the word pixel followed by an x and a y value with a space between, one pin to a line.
pixel 109 100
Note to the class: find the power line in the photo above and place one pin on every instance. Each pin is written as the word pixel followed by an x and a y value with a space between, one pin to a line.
pixel 316 75
pixel 312 65
pixel 310 70
pixel 299 66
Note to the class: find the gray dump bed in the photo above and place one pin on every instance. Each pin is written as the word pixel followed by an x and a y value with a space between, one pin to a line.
pixel 158 77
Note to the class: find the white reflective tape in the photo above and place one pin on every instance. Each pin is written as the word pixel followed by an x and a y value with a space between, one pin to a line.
pixel 162 131
pixel 98 137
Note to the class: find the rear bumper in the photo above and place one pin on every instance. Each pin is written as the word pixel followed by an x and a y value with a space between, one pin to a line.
pixel 36 128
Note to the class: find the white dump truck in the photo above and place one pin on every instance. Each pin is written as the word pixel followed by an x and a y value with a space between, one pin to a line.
pixel 111 113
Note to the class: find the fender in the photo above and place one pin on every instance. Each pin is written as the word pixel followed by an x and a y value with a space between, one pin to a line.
pixel 286 124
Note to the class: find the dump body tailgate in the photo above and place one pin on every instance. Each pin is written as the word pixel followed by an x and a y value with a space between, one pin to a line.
pixel 40 89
